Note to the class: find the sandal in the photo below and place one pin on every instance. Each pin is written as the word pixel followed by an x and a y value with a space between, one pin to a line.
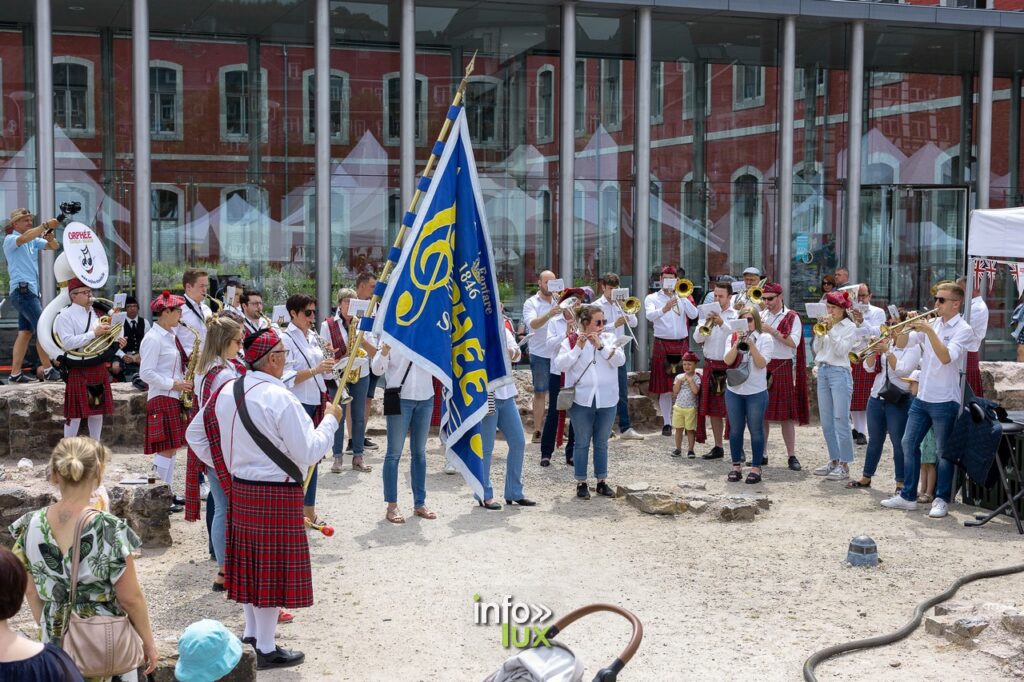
pixel 753 477
pixel 424 513
pixel 924 498
pixel 361 467
pixel 859 484
pixel 219 586
pixel 394 516
pixel 735 476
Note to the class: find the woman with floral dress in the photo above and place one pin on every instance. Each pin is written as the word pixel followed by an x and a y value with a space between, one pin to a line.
pixel 107 581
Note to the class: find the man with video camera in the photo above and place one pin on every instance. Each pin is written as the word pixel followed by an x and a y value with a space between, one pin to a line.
pixel 21 248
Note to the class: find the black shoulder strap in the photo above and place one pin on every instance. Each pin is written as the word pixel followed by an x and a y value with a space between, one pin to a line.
pixel 262 442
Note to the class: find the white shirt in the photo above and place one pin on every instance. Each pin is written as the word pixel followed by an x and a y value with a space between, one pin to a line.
pixel 253 326
pixel 601 381
pixel 907 360
pixel 612 313
pixel 303 352
pixel 506 391
pixel 189 317
pixel 74 326
pixel 325 333
pixel 834 348
pixel 418 385
pixel 225 375
pixel 717 342
pixel 874 318
pixel 278 415
pixel 757 380
pixel 979 323
pixel 781 351
pixel 557 330
pixel 535 307
pixel 940 383
pixel 160 364
pixel 670 325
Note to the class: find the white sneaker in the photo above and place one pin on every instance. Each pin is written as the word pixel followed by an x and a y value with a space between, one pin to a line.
pixel 824 469
pixel 450 469
pixel 631 434
pixel 897 502
pixel 939 509
pixel 839 473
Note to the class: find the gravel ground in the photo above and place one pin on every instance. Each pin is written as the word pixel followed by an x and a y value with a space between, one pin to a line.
pixel 719 601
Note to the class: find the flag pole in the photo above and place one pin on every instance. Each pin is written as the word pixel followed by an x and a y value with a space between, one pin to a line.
pixel 341 396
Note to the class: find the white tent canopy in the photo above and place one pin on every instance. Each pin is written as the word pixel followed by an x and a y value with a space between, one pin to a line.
pixel 996 233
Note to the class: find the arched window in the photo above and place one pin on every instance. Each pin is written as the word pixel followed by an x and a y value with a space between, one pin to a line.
pixel 73 96
pixel 745 227
pixel 393 109
pixel 545 104
pixel 165 100
pixel 339 106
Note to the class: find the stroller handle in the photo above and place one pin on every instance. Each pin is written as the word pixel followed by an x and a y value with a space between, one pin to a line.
pixel 627 653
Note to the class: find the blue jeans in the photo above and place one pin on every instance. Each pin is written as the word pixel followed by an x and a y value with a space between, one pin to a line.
pixel 358 391
pixel 505 417
pixel 748 411
pixel 885 418
pixel 592 424
pixel 622 409
pixel 550 431
pixel 940 418
pixel 29 309
pixel 415 421
pixel 309 499
pixel 220 515
pixel 835 390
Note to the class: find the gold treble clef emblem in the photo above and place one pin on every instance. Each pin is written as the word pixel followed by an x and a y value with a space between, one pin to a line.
pixel 431 265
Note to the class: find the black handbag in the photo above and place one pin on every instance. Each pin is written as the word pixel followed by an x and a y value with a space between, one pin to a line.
pixel 393 396
pixel 891 393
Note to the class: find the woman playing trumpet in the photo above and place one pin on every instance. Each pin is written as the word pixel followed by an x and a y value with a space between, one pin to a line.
pixel 590 360
pixel 558 330
pixel 835 384
pixel 747 400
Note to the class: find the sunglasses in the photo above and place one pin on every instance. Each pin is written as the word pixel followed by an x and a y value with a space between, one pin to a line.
pixel 309 313
pixel 599 323
pixel 941 299
pixel 768 298
pixel 749 319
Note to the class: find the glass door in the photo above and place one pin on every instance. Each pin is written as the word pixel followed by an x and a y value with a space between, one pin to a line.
pixel 911 236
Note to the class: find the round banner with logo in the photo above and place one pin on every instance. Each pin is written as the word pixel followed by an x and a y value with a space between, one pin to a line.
pixel 85 255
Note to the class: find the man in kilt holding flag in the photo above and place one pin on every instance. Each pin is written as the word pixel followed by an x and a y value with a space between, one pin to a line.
pixel 162 367
pixel 258 429
pixel 787 370
pixel 87 394
pixel 712 392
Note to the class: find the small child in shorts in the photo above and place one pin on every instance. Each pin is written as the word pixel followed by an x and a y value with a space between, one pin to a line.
pixel 685 398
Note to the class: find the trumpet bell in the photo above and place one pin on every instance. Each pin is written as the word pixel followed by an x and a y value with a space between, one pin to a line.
pixel 632 305
pixel 821 328
pixel 704 329
pixel 684 288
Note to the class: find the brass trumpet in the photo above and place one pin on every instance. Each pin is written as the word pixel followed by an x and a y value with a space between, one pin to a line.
pixel 897 328
pixel 705 329
pixel 684 287
pixel 859 356
pixel 822 327
pixel 631 306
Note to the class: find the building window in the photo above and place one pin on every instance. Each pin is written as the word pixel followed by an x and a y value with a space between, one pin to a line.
pixel 165 104
pixel 607 257
pixel 879 78
pixel 745 226
pixel 393 109
pixel 542 249
pixel 690 89
pixel 338 106
pixel 545 104
pixel 73 96
pixel 611 94
pixel 483 110
pixel 747 87
pixel 657 93
pixel 166 218
pixel 236 103
pixel 800 85
pixel 580 97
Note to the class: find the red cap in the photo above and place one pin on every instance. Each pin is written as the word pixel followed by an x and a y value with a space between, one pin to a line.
pixel 75 283
pixel 258 344
pixel 668 270
pixel 689 356
pixel 580 295
pixel 773 288
pixel 839 298
pixel 164 301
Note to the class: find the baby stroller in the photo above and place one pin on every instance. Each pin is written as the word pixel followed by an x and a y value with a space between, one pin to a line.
pixel 557 663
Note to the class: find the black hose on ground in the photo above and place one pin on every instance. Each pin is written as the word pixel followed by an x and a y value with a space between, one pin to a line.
pixel 882 640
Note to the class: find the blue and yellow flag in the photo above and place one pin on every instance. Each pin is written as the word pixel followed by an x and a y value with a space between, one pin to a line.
pixel 440 307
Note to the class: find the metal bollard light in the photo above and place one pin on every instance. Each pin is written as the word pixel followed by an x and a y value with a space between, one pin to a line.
pixel 862 552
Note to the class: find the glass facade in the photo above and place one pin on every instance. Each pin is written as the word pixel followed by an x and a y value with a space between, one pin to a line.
pixel 232 127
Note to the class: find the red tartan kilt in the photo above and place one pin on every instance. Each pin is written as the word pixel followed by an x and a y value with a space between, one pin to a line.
pixel 711 405
pixel 862 382
pixel 76 395
pixel 974 374
pixel 782 396
pixel 267 557
pixel 435 416
pixel 661 381
pixel 165 427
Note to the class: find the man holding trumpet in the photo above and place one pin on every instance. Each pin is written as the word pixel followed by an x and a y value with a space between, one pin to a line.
pixel 621 323
pixel 670 314
pixel 713 333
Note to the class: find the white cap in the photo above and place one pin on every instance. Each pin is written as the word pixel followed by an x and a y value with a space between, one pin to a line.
pixel 752 271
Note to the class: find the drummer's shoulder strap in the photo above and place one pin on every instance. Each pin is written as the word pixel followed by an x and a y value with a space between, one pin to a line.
pixel 262 442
